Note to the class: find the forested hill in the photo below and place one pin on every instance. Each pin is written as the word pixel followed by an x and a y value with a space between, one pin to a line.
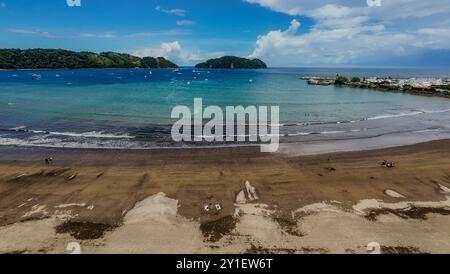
pixel 232 62
pixel 64 59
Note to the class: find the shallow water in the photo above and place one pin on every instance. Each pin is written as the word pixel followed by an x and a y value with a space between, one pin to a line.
pixel 130 108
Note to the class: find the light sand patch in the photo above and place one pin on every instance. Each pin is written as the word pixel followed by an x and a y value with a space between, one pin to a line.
pixel 444 189
pixel 248 194
pixel 363 206
pixel 36 209
pixel 64 215
pixel 157 207
pixel 251 191
pixel 71 205
pixel 393 194
pixel 153 226
pixel 315 208
pixel 32 237
pixel 240 198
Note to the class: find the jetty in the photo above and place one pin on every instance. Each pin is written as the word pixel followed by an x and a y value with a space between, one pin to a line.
pixel 431 86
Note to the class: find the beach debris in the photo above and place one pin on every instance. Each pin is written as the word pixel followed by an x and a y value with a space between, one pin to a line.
pixel 100 175
pixel 444 189
pixel 70 178
pixel 393 194
pixel 248 194
pixel 21 176
pixel 330 169
pixel 91 207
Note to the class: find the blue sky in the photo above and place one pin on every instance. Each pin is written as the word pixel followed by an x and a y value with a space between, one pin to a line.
pixel 281 32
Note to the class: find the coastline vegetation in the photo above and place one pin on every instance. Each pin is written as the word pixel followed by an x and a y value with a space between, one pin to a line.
pixel 64 59
pixel 232 62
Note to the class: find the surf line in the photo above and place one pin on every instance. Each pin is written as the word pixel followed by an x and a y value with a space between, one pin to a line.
pixel 237 126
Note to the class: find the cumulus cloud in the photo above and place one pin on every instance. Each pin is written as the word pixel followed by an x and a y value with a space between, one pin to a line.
pixel 175 52
pixel 352 32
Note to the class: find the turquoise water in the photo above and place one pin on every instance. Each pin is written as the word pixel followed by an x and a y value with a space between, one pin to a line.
pixel 131 108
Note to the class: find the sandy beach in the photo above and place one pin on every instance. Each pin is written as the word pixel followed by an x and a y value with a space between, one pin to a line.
pixel 124 201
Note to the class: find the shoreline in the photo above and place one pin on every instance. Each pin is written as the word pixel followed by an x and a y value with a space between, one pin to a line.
pixel 288 148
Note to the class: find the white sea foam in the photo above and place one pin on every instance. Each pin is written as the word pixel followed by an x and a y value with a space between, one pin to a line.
pixel 91 134
pixel 403 114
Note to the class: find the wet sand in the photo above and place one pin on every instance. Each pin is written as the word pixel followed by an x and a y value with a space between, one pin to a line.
pixel 153 201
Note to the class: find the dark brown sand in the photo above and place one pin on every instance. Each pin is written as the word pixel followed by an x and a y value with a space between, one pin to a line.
pixel 114 181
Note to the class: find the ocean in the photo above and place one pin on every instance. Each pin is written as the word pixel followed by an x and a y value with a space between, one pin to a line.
pixel 131 108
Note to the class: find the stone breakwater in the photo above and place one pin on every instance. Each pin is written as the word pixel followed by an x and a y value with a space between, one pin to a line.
pixel 420 86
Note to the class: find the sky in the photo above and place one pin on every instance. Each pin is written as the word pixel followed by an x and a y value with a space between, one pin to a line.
pixel 283 33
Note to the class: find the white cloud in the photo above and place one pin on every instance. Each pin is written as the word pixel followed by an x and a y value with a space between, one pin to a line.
pixel 174 52
pixel 177 12
pixel 173 32
pixel 98 35
pixel 351 32
pixel 185 23
pixel 32 32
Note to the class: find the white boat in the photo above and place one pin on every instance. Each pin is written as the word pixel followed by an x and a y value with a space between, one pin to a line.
pixel 36 77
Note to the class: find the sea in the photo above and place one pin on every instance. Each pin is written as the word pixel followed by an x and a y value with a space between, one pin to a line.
pixel 131 108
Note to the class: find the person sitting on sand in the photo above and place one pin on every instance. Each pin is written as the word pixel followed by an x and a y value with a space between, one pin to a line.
pixel 390 165
pixel 48 161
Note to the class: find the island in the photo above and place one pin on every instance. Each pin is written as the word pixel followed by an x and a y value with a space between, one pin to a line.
pixel 65 59
pixel 232 62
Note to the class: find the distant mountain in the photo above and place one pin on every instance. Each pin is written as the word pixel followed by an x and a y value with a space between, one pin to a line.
pixel 232 62
pixel 64 59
